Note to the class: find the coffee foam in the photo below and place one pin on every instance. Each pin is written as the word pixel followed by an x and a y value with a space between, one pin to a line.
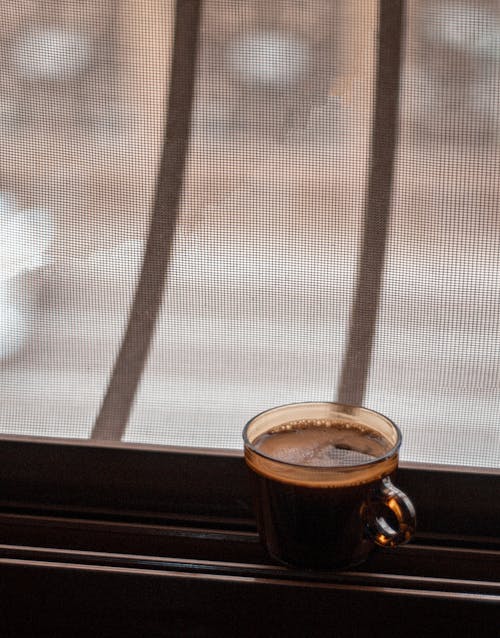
pixel 322 443
pixel 326 452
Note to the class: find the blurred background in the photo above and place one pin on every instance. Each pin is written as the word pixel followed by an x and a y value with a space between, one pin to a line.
pixel 258 295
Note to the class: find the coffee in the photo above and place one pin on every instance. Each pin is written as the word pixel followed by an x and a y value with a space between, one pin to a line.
pixel 321 474
pixel 322 443
pixel 314 523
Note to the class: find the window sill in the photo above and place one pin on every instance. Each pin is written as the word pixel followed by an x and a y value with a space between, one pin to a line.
pixel 208 577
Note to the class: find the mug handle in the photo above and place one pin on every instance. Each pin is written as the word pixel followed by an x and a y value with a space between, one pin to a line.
pixel 401 512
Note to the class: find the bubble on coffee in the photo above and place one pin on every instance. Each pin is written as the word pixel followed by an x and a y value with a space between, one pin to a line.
pixel 322 443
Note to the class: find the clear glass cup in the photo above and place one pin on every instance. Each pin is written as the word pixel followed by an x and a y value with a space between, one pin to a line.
pixel 326 511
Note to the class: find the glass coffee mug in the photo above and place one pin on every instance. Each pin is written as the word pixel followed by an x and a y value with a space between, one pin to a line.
pixel 323 492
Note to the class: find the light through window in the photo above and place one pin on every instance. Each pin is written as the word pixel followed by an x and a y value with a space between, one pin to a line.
pixel 262 277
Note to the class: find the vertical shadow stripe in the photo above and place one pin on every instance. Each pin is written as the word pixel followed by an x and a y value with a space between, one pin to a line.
pixel 115 409
pixel 363 320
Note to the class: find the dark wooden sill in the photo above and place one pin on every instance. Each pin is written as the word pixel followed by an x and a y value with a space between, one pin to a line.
pixel 118 540
pixel 210 577
pixel 147 481
pixel 218 542
pixel 43 598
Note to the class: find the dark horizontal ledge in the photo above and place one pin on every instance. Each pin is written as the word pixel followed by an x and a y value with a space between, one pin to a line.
pixel 155 483
pixel 489 590
pixel 82 476
pixel 50 598
pixel 214 541
pixel 242 547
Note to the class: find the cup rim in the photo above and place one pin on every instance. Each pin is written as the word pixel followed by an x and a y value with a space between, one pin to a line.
pixel 321 468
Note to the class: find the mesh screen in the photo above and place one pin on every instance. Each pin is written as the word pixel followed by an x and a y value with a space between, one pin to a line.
pixel 263 271
pixel 80 128
pixel 436 357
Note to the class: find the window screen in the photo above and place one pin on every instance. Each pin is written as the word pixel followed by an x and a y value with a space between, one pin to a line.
pixel 290 129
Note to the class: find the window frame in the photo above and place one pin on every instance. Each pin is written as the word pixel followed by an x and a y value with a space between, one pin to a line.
pixel 121 503
pixel 155 482
pixel 60 473
pixel 152 540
